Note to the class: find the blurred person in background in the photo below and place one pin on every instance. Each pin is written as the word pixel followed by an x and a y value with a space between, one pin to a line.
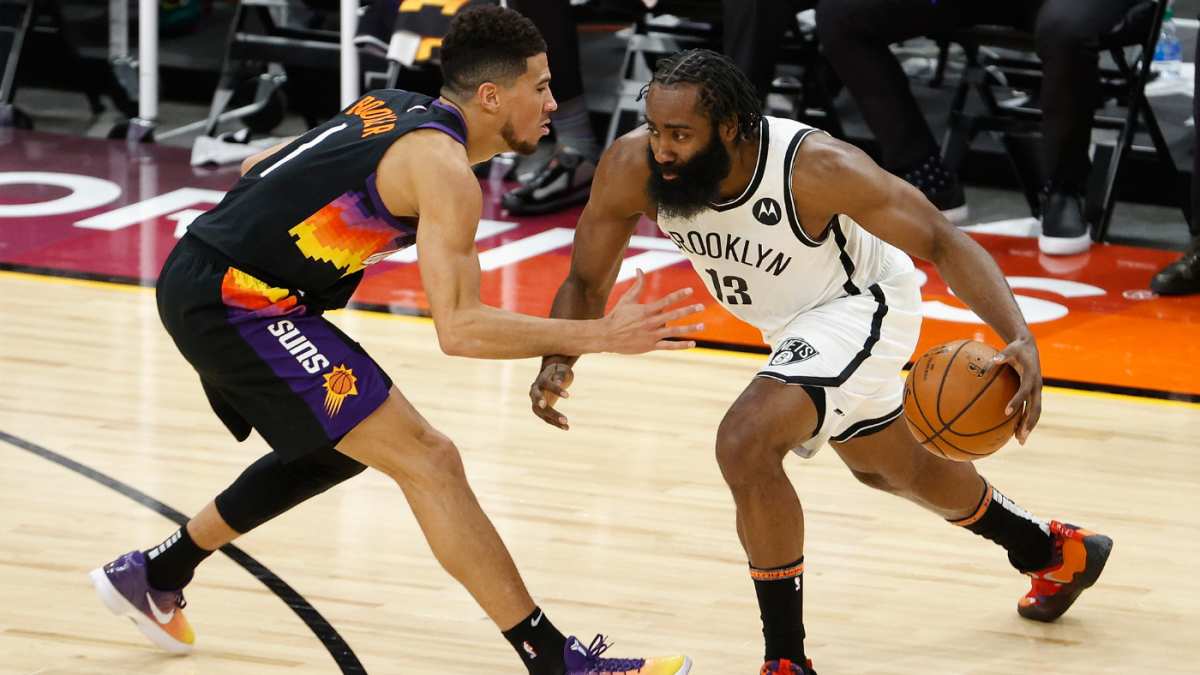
pixel 752 32
pixel 856 34
pixel 1182 277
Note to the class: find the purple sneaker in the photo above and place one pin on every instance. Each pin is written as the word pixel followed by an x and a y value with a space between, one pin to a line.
pixel 587 661
pixel 125 589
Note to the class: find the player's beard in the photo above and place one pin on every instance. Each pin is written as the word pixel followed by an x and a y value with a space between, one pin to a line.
pixel 697 182
pixel 509 134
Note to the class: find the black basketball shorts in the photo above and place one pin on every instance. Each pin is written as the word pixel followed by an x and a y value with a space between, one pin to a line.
pixel 266 360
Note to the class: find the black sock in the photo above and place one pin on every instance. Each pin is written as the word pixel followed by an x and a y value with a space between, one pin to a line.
pixel 170 564
pixel 1024 536
pixel 539 643
pixel 781 605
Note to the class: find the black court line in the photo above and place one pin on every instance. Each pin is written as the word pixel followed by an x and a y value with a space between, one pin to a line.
pixel 1137 392
pixel 338 649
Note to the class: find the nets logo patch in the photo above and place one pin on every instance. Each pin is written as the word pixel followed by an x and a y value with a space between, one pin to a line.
pixel 793 350
pixel 767 211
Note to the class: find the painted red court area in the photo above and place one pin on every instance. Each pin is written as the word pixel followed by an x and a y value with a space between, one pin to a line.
pixel 106 209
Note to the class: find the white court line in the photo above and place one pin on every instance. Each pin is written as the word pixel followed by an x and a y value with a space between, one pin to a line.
pixel 647 262
pixel 149 209
pixel 659 253
pixel 652 243
pixel 487 228
pixel 522 249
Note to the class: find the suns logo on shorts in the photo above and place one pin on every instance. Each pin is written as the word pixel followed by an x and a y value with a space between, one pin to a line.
pixel 793 350
pixel 339 383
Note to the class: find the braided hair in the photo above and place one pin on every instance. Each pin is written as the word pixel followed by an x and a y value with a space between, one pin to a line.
pixel 724 90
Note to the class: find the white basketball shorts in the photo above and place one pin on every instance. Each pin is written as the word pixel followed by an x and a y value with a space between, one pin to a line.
pixel 851 351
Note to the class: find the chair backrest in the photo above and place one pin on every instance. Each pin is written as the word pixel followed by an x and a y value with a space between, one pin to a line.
pixel 1139 26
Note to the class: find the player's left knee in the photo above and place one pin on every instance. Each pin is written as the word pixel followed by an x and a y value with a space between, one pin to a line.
pixel 743 456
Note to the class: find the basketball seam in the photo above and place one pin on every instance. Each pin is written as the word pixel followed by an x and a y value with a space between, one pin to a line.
pixel 980 433
pixel 937 403
pixel 917 399
pixel 938 399
pixel 967 406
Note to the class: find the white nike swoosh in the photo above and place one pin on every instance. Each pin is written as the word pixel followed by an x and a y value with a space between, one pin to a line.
pixel 163 619
pixel 538 620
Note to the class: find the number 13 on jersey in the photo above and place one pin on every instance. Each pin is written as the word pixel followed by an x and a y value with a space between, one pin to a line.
pixel 735 288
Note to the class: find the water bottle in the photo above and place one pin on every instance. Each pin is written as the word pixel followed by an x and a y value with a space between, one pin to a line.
pixel 1168 54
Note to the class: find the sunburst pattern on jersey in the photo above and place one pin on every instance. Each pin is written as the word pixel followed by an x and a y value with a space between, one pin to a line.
pixel 344 233
pixel 241 291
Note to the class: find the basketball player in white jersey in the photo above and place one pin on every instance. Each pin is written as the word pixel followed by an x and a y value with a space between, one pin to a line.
pixel 809 240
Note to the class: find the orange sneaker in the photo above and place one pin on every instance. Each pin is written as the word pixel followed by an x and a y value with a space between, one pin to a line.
pixel 785 667
pixel 1076 563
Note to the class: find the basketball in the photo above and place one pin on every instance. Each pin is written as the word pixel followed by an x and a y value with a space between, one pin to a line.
pixel 341 382
pixel 955 398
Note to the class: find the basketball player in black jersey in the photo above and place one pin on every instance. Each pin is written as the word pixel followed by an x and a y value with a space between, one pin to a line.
pixel 244 291
pixel 697 160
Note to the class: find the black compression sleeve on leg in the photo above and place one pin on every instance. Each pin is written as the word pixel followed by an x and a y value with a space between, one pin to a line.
pixel 269 486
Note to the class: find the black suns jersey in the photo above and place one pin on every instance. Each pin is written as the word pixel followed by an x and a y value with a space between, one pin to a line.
pixel 309 217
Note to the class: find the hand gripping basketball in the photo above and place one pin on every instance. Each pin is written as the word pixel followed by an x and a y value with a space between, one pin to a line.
pixel 962 401
pixel 634 328
pixel 1022 355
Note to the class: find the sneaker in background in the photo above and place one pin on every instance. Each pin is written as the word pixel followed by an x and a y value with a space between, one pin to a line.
pixel 564 180
pixel 1064 229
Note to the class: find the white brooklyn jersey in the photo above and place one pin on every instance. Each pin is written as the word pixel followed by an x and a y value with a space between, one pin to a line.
pixel 756 259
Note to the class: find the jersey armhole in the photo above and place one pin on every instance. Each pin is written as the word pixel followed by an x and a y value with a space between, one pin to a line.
pixel 789 162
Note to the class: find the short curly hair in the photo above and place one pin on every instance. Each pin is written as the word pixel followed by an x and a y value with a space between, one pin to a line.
pixel 487 43
pixel 724 90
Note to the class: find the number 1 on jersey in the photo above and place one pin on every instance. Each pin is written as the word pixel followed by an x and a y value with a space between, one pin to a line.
pixel 736 287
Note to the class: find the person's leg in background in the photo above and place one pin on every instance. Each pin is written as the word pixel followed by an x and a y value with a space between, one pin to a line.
pixel 753 35
pixel 566 178
pixel 855 36
pixel 1068 43
pixel 1182 277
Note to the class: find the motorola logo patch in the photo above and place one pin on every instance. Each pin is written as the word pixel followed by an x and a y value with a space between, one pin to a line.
pixel 767 211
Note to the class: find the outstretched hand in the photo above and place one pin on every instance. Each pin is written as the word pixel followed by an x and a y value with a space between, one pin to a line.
pixel 1022 355
pixel 550 385
pixel 634 328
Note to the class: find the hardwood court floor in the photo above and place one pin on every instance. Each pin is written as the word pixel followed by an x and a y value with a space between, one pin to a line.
pixel 621 525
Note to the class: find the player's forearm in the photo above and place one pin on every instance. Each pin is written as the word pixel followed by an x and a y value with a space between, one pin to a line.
pixel 969 270
pixel 484 332
pixel 574 301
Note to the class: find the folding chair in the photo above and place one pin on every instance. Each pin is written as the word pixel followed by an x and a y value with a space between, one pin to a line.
pixel 1017 123
pixel 816 87
pixel 673 25
pixel 257 36
pixel 15 18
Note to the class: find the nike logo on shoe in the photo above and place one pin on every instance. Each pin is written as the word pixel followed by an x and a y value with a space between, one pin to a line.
pixel 163 619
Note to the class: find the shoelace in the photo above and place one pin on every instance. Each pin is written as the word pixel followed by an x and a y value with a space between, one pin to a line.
pixel 598 666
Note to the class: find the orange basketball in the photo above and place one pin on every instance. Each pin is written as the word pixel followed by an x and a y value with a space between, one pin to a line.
pixel 340 382
pixel 955 397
